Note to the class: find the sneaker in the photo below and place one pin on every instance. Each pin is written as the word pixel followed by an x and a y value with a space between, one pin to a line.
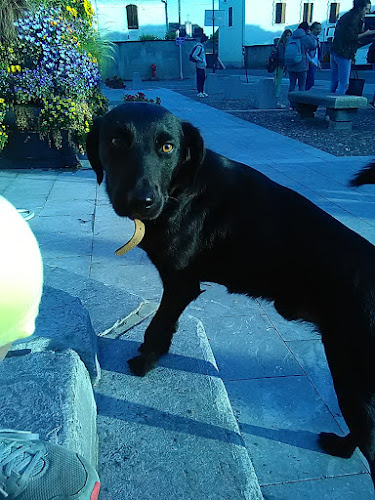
pixel 205 95
pixel 31 469
pixel 200 94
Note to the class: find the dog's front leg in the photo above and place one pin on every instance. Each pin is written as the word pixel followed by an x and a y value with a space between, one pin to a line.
pixel 178 293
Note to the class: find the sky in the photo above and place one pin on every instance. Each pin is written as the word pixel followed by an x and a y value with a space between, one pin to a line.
pixel 191 10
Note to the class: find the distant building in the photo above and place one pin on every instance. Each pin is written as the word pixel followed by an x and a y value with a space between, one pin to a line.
pixel 259 22
pixel 122 20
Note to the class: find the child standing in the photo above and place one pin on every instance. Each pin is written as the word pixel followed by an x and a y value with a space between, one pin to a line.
pixel 280 68
pixel 198 54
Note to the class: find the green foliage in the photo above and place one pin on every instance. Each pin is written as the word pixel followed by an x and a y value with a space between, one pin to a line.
pixel 146 38
pixel 170 35
pixel 10 10
pixel 51 63
pixel 140 96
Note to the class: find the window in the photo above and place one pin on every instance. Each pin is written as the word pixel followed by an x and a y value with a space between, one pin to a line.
pixel 280 13
pixel 230 16
pixel 308 12
pixel 132 15
pixel 334 11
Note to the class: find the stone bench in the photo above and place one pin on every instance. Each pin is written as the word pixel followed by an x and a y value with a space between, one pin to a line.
pixel 340 109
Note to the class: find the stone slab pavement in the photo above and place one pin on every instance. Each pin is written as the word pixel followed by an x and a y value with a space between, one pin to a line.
pixel 275 372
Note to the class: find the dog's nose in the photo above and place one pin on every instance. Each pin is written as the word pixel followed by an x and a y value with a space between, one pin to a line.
pixel 149 202
pixel 141 202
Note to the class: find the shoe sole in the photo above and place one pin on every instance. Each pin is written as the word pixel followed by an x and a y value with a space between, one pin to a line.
pixel 95 491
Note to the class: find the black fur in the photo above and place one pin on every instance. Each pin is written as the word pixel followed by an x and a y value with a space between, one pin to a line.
pixel 364 176
pixel 209 218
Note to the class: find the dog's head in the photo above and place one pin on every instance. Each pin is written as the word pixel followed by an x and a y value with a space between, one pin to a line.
pixel 146 153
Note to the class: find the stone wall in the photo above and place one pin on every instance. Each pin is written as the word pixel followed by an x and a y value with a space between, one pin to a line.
pixel 138 56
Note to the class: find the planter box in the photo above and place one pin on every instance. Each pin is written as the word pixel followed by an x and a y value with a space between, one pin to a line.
pixel 25 149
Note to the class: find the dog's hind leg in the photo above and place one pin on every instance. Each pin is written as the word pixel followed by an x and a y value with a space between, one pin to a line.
pixel 352 367
pixel 178 293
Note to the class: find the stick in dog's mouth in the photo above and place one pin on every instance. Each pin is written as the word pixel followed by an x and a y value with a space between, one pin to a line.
pixel 139 232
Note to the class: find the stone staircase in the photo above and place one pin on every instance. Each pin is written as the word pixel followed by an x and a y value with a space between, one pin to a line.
pixel 169 435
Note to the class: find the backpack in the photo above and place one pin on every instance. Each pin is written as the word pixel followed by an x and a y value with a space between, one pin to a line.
pixel 273 61
pixel 194 58
pixel 371 54
pixel 293 52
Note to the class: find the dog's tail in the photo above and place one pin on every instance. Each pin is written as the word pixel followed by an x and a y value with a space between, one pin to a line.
pixel 364 176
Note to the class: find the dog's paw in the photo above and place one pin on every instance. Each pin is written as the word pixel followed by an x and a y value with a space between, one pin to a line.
pixel 140 365
pixel 336 445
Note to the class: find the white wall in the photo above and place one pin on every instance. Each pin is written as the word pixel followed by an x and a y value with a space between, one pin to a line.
pixel 231 37
pixel 259 27
pixel 113 24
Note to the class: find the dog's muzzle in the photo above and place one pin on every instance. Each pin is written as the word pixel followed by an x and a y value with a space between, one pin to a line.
pixel 143 207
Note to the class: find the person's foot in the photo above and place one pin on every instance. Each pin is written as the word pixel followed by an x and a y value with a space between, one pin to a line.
pixel 31 469
pixel 205 95
pixel 200 94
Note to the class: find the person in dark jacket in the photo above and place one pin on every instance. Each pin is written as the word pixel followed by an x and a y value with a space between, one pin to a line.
pixel 298 72
pixel 348 32
pixel 313 56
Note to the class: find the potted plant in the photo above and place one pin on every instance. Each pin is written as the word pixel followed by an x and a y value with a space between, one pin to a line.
pixel 49 80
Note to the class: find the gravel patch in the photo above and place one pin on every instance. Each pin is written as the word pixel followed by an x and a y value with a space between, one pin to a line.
pixel 357 142
pixel 360 141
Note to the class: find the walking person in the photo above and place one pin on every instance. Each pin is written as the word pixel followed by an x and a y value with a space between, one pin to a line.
pixel 296 60
pixel 30 468
pixel 198 55
pixel 348 32
pixel 280 70
pixel 313 56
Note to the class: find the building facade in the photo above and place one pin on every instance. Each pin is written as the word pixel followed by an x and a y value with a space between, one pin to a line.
pixel 255 22
pixel 123 20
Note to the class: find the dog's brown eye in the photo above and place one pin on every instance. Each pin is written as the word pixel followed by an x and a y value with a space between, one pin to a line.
pixel 116 142
pixel 167 147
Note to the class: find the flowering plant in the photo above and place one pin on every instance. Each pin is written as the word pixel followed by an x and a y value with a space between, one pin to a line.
pixel 140 96
pixel 48 65
pixel 3 134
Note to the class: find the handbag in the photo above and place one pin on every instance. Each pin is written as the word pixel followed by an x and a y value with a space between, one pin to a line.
pixel 355 84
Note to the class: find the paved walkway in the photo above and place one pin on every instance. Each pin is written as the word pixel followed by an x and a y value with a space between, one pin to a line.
pixel 274 371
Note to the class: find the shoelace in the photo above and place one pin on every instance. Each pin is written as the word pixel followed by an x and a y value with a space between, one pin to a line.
pixel 17 458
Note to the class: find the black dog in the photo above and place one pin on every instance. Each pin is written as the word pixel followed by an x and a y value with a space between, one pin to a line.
pixel 208 218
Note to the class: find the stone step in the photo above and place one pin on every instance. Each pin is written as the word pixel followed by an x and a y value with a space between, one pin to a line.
pixel 47 379
pixel 173 433
pixel 50 393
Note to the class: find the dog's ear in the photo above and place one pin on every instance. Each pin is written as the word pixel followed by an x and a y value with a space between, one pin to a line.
pixel 92 149
pixel 193 143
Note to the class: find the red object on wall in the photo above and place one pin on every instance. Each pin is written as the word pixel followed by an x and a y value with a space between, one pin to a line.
pixel 153 69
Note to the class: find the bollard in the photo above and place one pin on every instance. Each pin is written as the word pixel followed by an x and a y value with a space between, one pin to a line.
pixel 137 81
pixel 266 98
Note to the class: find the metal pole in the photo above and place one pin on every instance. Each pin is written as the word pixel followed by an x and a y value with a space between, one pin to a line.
pixel 180 46
pixel 213 37
pixel 165 2
pixel 180 57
